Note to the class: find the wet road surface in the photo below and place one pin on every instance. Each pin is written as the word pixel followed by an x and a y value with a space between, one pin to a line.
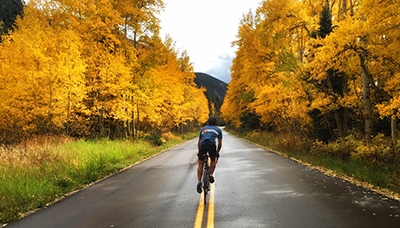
pixel 253 188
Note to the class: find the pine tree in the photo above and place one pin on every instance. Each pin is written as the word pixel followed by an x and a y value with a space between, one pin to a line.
pixel 9 11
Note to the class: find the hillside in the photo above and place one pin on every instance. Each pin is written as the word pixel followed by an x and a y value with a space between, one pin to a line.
pixel 214 86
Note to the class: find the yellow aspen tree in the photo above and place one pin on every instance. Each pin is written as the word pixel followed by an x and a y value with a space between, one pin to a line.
pixel 67 80
pixel 239 94
pixel 49 82
pixel 381 18
pixel 140 17
pixel 281 37
pixel 144 81
pixel 151 78
pixel 329 77
pixel 270 51
pixel 195 104
pixel 171 89
pixel 98 23
pixel 85 73
pixel 361 44
pixel 190 88
pixel 139 23
pixel 106 88
pixel 334 85
pixel 330 71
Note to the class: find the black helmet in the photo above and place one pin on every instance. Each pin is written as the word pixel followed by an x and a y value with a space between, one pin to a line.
pixel 212 120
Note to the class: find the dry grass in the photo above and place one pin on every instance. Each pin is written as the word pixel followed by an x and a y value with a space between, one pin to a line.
pixel 34 152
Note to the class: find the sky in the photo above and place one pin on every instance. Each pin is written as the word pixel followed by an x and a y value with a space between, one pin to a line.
pixel 206 30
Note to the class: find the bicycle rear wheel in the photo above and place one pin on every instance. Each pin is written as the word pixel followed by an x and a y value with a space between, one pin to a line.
pixel 206 182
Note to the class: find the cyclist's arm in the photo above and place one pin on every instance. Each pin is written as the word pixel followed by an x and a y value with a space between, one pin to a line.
pixel 219 145
pixel 198 144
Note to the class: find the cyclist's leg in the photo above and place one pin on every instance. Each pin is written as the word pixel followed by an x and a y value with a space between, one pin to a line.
pixel 213 153
pixel 212 165
pixel 200 169
pixel 200 156
pixel 199 175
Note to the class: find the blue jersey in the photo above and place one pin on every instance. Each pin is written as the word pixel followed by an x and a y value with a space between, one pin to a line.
pixel 209 133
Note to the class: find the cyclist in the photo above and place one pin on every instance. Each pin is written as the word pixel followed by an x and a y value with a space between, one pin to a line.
pixel 207 144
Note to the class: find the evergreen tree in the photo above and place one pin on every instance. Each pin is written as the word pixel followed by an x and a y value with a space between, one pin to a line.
pixel 9 10
pixel 325 22
pixel 333 84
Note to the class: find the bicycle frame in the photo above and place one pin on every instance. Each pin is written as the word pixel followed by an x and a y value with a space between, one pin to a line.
pixel 206 177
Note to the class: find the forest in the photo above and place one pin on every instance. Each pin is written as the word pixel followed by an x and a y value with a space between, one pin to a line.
pixel 328 68
pixel 94 68
pixel 319 80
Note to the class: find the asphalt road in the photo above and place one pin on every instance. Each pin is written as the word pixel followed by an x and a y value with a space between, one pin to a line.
pixel 253 188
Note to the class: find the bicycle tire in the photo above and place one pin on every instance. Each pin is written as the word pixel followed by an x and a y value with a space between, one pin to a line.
pixel 206 182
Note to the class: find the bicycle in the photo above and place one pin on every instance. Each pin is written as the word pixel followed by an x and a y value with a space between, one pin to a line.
pixel 206 177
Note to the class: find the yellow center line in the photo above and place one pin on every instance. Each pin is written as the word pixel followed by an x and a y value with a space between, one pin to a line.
pixel 200 210
pixel 210 221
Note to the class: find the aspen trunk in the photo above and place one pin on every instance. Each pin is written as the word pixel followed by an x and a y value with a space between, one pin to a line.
pixel 50 106
pixel 102 122
pixel 137 117
pixel 313 11
pixel 133 124
pixel 344 9
pixel 345 83
pixel 68 110
pixel 393 126
pixel 366 98
pixel 301 47
pixel 338 119
pixel 133 131
pixel 351 8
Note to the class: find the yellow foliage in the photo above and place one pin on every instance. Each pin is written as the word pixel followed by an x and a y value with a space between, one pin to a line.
pixel 283 70
pixel 341 148
pixel 74 67
pixel 378 152
pixel 42 73
pixel 261 72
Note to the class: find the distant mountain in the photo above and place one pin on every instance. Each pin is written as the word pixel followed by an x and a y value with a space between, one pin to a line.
pixel 214 86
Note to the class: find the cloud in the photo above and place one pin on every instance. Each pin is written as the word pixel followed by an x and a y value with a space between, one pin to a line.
pixel 206 30
pixel 221 68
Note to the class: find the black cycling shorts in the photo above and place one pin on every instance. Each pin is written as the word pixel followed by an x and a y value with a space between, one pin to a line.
pixel 211 149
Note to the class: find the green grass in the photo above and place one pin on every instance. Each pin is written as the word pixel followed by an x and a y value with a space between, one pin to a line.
pixel 36 174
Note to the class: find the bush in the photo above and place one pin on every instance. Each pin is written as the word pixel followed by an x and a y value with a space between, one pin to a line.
pixel 169 136
pixel 378 152
pixel 282 142
pixel 342 148
pixel 155 140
